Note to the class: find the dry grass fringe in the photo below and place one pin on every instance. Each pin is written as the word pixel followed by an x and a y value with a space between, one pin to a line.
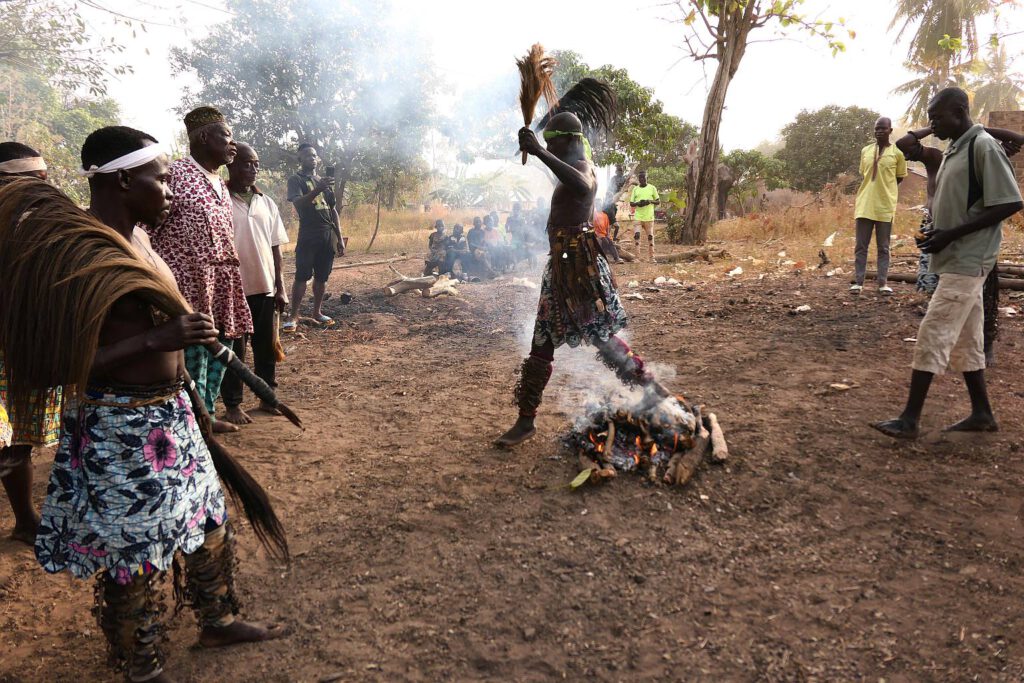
pixel 62 271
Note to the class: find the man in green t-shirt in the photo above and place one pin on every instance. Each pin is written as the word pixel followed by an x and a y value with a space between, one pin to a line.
pixel 643 199
pixel 975 191
pixel 883 167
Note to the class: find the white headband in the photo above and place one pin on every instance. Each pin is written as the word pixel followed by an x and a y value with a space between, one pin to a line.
pixel 134 159
pixel 23 165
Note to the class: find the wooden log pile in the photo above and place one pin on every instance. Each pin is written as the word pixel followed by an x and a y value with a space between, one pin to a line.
pixel 662 440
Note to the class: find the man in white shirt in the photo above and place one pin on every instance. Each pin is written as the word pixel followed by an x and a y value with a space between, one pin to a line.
pixel 259 234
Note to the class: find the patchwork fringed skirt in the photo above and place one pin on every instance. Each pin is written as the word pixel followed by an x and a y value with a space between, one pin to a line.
pixel 578 300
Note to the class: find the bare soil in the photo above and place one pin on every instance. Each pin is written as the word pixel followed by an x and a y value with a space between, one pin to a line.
pixel 821 551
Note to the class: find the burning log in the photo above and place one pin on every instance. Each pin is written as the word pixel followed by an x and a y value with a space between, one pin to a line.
pixel 659 437
pixel 690 460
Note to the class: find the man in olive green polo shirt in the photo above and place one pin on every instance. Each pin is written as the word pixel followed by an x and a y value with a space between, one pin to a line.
pixel 975 192
pixel 884 168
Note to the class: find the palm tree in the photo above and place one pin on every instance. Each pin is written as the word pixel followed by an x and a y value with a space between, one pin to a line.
pixel 996 88
pixel 942 47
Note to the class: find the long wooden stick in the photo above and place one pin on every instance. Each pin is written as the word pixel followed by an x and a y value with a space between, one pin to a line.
pixel 378 262
pixel 1004 282
pixel 251 380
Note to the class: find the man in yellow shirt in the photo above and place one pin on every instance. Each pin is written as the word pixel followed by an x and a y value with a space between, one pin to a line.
pixel 884 168
pixel 644 198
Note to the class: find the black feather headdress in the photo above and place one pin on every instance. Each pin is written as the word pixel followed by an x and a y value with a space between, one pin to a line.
pixel 592 101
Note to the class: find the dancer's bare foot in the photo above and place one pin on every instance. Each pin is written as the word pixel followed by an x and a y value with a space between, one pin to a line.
pixel 980 422
pixel 522 430
pixel 268 409
pixel 235 415
pixel 240 632
pixel 900 428
pixel 26 532
pixel 222 427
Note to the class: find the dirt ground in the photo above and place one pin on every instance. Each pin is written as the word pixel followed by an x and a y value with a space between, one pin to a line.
pixel 821 551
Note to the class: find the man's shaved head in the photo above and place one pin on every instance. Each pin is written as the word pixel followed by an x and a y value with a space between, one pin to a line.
pixel 566 121
pixel 949 113
pixel 883 122
pixel 956 98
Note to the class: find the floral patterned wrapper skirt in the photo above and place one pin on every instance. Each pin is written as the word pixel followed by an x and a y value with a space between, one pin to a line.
pixel 132 483
pixel 578 300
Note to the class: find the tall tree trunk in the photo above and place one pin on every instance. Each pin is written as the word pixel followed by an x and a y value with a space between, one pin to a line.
pixel 703 202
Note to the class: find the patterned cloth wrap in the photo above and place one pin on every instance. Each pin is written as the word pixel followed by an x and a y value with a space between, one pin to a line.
pixel 43 426
pixel 926 282
pixel 132 483
pixel 5 428
pixel 197 240
pixel 578 300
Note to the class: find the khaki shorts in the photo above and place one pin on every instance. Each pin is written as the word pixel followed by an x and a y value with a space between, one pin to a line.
pixel 952 332
pixel 648 226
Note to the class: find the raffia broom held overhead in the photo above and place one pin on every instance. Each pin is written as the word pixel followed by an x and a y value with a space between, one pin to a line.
pixel 535 75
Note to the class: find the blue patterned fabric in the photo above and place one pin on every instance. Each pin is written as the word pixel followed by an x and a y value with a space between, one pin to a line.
pixel 130 486
pixel 604 323
pixel 926 282
pixel 207 372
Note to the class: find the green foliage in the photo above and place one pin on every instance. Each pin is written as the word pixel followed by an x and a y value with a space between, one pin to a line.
pixel 293 70
pixel 941 49
pixel 783 12
pixel 824 143
pixel 37 114
pixel 485 190
pixel 723 33
pixel 397 186
pixel 49 38
pixel 750 168
pixel 668 177
pixel 995 86
pixel 644 134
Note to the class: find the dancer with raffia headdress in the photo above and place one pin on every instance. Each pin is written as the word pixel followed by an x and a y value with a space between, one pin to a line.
pixel 135 483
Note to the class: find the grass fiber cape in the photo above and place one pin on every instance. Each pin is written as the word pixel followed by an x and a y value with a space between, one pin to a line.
pixel 62 270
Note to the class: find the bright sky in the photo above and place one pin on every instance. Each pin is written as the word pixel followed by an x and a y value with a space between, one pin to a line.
pixel 473 41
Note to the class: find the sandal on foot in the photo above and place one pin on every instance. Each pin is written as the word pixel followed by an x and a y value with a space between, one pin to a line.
pixel 324 320
pixel 290 326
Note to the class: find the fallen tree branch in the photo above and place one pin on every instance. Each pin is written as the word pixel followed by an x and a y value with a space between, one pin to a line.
pixel 1004 282
pixel 378 262
pixel 407 284
pixel 698 254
